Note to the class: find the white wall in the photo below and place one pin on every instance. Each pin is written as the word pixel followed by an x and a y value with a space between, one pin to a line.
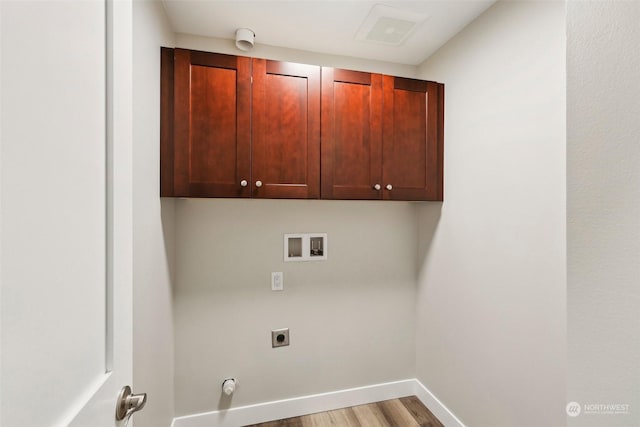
pixel 491 296
pixel 351 317
pixel 603 209
pixel 153 225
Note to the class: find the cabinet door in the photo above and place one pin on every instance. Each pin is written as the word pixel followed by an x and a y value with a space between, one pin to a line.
pixel 412 146
pixel 211 126
pixel 285 146
pixel 351 134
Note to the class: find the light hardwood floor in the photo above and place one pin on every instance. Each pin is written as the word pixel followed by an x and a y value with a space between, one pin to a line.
pixel 403 412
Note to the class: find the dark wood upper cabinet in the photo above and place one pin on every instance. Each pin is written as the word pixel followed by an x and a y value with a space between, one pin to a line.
pixel 207 151
pixel 351 134
pixel 285 144
pixel 224 136
pixel 382 137
pixel 239 127
pixel 412 141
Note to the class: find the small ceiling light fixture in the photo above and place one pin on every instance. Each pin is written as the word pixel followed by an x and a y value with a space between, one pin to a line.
pixel 245 38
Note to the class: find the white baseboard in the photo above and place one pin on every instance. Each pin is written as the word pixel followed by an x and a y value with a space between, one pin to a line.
pixel 442 413
pixel 304 405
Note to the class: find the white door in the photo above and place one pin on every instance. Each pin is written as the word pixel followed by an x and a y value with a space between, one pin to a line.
pixel 65 211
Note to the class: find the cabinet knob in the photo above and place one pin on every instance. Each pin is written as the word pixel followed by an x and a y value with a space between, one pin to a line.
pixel 377 187
pixel 389 187
pixel 243 183
pixel 258 184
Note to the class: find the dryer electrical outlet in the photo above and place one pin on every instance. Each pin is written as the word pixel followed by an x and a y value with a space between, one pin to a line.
pixel 279 337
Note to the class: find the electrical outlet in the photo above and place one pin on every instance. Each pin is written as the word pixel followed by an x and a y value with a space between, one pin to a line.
pixel 279 337
pixel 277 281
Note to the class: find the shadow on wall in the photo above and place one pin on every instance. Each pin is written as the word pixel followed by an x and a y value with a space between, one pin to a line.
pixel 224 402
pixel 168 218
pixel 428 217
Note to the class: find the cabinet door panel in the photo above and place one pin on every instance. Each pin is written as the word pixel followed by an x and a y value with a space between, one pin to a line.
pixel 351 134
pixel 412 139
pixel 211 126
pixel 285 130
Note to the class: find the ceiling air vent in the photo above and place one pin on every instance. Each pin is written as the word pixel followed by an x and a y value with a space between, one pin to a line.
pixel 388 25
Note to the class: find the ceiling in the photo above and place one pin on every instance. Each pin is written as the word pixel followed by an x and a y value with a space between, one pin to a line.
pixel 325 26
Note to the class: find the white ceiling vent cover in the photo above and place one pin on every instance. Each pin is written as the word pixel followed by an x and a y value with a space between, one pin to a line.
pixel 388 25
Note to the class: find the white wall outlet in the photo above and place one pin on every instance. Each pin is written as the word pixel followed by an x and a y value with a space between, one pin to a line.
pixel 277 281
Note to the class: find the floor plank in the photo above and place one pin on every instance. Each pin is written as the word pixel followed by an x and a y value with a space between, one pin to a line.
pixel 423 416
pixel 344 417
pixel 396 414
pixel 317 420
pixel 404 412
pixel 370 415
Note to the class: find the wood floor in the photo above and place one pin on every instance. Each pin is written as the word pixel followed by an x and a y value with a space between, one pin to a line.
pixel 403 412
